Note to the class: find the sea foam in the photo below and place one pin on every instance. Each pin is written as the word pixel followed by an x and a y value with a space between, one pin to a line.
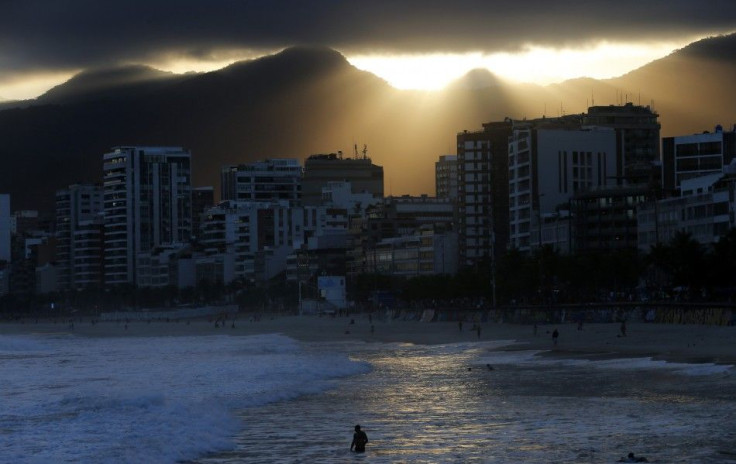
pixel 154 400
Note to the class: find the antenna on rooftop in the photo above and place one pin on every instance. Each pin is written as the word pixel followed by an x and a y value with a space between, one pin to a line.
pixel 365 151
pixel 355 151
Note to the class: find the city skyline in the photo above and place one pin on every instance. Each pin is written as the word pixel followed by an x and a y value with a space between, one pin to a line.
pixel 410 44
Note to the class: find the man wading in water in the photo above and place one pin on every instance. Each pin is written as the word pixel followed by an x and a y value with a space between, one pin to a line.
pixel 359 440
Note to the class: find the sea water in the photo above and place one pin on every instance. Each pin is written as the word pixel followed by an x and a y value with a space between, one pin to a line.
pixel 145 400
pixel 270 399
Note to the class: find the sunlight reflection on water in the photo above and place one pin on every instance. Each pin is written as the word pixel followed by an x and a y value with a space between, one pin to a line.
pixel 441 404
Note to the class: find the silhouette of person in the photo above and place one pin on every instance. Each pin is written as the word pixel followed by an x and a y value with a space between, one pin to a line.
pixel 555 336
pixel 623 328
pixel 359 440
pixel 632 458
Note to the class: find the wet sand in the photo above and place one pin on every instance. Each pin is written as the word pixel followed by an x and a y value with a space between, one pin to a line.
pixel 681 343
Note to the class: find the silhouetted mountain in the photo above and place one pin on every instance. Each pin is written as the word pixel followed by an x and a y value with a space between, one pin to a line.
pixel 110 83
pixel 308 100
pixel 476 79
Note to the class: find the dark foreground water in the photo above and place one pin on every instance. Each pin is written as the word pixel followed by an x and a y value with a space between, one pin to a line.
pixel 441 404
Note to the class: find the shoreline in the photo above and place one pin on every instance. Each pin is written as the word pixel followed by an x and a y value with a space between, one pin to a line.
pixel 685 343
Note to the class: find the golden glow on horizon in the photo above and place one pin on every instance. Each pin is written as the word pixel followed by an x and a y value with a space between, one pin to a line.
pixel 31 86
pixel 182 63
pixel 537 65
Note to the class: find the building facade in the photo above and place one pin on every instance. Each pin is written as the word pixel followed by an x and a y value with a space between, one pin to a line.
pixel 637 140
pixel 445 175
pixel 79 236
pixel 5 228
pixel 690 156
pixel 268 180
pixel 147 203
pixel 319 170
pixel 550 161
pixel 203 198
pixel 706 209
pixel 257 235
pixel 483 192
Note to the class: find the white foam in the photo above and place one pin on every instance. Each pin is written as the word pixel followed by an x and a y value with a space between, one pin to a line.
pixel 148 399
pixel 529 357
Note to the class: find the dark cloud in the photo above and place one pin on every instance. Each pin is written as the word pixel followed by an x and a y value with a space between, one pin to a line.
pixel 53 34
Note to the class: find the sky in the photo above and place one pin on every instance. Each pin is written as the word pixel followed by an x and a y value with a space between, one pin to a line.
pixel 420 44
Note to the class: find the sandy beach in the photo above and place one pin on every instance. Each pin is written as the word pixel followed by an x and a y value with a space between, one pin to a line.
pixel 680 343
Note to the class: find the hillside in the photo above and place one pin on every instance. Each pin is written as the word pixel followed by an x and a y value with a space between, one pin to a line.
pixel 308 100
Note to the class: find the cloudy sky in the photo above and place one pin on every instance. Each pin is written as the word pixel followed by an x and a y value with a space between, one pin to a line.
pixel 412 44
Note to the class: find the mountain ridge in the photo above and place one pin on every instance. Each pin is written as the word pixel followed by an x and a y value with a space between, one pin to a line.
pixel 307 100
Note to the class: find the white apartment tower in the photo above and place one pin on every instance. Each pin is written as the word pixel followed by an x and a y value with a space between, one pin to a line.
pixel 147 203
pixel 549 162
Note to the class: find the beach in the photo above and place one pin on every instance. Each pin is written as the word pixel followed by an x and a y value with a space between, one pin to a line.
pixel 284 389
pixel 671 342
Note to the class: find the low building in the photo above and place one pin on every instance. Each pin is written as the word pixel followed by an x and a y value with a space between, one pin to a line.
pixel 606 219
pixel 690 156
pixel 705 209
pixel 267 180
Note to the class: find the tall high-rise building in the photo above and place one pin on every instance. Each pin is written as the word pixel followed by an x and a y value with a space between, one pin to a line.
pixel 269 180
pixel 5 227
pixel 79 233
pixel 689 156
pixel 483 192
pixel 147 203
pixel 320 170
pixel 445 175
pixel 637 138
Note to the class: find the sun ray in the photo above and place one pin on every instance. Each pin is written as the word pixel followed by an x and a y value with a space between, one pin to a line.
pixel 534 64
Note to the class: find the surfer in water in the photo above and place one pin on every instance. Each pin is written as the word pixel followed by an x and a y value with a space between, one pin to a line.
pixel 359 440
pixel 632 458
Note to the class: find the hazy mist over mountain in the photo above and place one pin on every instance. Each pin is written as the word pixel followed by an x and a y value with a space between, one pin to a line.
pixel 308 100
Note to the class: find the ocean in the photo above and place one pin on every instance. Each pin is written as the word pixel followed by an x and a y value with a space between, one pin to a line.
pixel 271 399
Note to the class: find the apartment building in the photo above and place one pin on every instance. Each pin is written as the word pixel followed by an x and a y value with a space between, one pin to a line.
pixel 689 156
pixel 268 180
pixel 79 236
pixel 147 203
pixel 483 192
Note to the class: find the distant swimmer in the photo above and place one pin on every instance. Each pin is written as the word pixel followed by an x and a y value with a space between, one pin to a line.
pixel 490 368
pixel 632 458
pixel 359 440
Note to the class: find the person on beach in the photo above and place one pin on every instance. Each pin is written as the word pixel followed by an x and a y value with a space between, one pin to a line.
pixel 623 328
pixel 359 440
pixel 555 336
